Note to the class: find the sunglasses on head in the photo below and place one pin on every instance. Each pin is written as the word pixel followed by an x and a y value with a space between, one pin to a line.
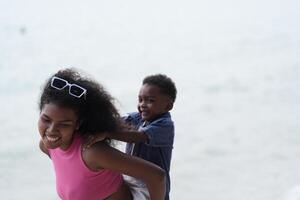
pixel 74 89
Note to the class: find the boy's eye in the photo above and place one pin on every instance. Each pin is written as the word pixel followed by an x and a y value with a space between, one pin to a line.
pixel 146 100
pixel 140 100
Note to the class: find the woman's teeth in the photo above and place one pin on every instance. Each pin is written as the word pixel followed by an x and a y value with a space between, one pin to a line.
pixel 52 139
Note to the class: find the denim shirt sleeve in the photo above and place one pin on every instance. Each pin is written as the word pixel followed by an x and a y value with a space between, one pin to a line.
pixel 160 133
pixel 132 119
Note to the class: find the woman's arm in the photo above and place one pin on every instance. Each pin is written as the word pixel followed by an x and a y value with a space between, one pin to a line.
pixel 101 156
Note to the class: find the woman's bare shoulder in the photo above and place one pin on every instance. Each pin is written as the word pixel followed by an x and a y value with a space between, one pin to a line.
pixel 96 156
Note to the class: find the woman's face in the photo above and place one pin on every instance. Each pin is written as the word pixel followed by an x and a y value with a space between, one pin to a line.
pixel 57 126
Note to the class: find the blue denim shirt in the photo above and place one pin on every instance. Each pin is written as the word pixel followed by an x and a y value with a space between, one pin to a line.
pixel 159 148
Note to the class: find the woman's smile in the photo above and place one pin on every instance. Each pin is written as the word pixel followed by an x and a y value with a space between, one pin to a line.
pixel 51 141
pixel 57 126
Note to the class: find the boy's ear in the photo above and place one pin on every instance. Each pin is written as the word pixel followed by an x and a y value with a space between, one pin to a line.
pixel 169 105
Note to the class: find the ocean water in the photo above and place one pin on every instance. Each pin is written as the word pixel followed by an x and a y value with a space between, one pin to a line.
pixel 236 65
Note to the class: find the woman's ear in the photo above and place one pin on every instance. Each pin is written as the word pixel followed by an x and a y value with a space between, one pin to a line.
pixel 79 123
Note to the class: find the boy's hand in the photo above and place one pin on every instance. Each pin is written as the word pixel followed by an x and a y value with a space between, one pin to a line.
pixel 128 127
pixel 92 139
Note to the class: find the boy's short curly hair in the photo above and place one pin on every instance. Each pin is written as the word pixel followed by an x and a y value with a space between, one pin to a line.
pixel 165 83
pixel 96 111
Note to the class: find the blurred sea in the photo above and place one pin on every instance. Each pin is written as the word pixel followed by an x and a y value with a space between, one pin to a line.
pixel 237 69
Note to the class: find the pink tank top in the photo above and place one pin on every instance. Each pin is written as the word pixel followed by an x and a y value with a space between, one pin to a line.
pixel 75 181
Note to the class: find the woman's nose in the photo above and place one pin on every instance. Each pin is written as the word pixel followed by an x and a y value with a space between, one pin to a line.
pixel 52 128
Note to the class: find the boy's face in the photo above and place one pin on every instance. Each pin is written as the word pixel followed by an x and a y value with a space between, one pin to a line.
pixel 152 102
pixel 57 126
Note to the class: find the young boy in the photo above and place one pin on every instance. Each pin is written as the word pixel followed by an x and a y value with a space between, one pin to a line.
pixel 154 135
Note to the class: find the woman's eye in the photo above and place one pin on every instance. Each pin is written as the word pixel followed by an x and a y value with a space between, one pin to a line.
pixel 65 125
pixel 45 120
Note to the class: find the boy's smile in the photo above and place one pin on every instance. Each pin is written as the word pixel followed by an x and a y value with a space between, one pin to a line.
pixel 57 126
pixel 152 102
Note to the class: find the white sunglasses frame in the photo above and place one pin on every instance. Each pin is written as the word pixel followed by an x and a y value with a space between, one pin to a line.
pixel 70 85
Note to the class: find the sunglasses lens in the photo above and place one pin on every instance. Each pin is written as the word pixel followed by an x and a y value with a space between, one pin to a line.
pixel 59 83
pixel 76 91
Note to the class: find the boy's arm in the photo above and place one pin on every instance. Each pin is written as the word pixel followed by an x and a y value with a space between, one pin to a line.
pixel 129 136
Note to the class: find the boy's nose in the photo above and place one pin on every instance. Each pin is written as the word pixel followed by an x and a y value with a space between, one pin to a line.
pixel 143 104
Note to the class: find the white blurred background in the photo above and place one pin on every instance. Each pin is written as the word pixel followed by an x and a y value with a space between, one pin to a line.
pixel 236 65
